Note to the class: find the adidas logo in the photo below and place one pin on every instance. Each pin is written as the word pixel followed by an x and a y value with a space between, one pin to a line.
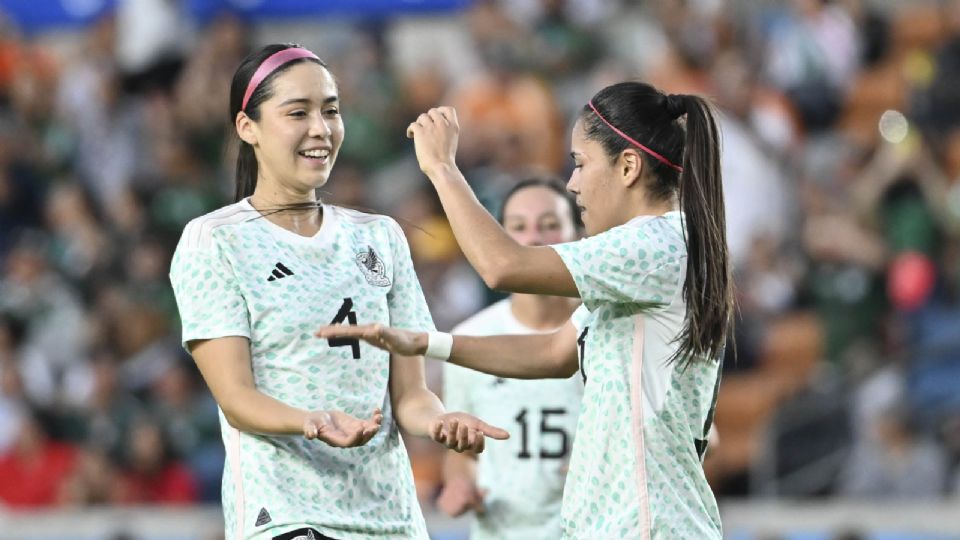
pixel 263 517
pixel 279 272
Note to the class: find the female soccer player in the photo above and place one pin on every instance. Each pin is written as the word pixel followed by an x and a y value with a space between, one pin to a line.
pixel 516 488
pixel 253 278
pixel 654 278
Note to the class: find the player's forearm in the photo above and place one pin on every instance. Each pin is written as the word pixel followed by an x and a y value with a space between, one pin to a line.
pixel 490 250
pixel 252 411
pixel 458 465
pixel 515 356
pixel 414 409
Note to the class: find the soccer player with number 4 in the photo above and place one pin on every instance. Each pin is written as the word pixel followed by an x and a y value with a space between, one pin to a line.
pixel 253 279
pixel 654 277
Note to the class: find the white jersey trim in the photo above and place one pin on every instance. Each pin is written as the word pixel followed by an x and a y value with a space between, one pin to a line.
pixel 636 409
pixel 199 232
pixel 237 483
pixel 356 216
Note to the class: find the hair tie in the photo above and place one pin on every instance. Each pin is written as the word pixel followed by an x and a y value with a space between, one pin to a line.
pixel 676 105
pixel 629 139
pixel 270 65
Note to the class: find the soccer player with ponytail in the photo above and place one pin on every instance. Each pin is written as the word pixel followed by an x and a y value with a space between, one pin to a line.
pixel 654 277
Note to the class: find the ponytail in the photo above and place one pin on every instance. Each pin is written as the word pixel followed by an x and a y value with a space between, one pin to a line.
pixel 672 130
pixel 708 288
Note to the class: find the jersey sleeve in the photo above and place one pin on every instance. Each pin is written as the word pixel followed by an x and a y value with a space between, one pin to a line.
pixel 408 307
pixel 628 264
pixel 208 297
pixel 579 317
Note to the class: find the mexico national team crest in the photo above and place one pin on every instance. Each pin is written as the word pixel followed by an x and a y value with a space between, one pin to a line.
pixel 372 267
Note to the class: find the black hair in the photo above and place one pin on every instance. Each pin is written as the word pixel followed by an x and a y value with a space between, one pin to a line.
pixel 246 174
pixel 683 130
pixel 550 183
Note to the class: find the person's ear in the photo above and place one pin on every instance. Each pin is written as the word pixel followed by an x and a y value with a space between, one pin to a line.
pixel 630 167
pixel 246 128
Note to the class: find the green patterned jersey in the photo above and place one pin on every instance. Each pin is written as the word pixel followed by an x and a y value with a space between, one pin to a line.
pixel 524 475
pixel 636 469
pixel 237 274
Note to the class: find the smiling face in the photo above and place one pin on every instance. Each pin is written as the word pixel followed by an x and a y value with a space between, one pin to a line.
pixel 594 183
pixel 538 216
pixel 299 133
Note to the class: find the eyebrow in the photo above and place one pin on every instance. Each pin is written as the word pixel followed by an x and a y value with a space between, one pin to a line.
pixel 574 154
pixel 291 101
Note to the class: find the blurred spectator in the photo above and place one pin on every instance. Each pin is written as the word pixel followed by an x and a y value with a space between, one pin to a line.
pixel 151 38
pixel 200 96
pixel 31 291
pixel 813 55
pixel 79 244
pixel 35 469
pixel 152 475
pixel 21 192
pixel 505 111
pixel 895 462
pixel 102 419
pixel 188 418
pixel 749 174
pixel 95 480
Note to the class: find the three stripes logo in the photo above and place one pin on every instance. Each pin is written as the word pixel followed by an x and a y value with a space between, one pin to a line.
pixel 279 272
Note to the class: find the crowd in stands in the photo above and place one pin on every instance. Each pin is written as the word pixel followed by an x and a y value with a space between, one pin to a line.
pixel 841 163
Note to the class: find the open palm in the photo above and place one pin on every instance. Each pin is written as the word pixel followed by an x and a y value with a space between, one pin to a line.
pixel 394 340
pixel 340 429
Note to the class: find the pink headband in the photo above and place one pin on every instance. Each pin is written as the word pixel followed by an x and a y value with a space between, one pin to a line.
pixel 629 139
pixel 270 65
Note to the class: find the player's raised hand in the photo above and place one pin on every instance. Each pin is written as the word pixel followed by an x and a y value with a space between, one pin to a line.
pixel 340 429
pixel 394 340
pixel 460 495
pixel 461 431
pixel 435 135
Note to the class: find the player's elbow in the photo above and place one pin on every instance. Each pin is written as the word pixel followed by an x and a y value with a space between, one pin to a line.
pixel 494 276
pixel 230 415
pixel 562 364
pixel 233 412
pixel 504 270
pixel 504 275
pixel 566 369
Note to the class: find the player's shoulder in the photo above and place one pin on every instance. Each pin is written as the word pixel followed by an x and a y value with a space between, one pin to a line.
pixel 366 221
pixel 199 232
pixel 360 218
pixel 489 320
pixel 664 228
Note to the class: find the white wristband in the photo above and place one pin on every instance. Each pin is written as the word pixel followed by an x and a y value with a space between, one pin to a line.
pixel 439 345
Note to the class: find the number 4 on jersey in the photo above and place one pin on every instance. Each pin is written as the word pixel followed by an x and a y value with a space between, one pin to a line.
pixel 346 313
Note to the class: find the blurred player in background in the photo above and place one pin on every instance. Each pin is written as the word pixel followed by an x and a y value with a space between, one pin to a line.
pixel 515 488
pixel 654 277
pixel 252 279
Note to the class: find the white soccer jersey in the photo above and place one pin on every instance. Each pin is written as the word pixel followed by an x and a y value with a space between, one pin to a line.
pixel 525 474
pixel 636 468
pixel 237 274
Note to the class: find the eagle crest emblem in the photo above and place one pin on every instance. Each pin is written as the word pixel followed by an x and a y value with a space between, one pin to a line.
pixel 372 267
